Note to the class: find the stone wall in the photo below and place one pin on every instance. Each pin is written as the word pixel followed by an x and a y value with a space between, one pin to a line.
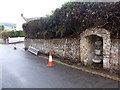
pixel 2 41
pixel 115 54
pixel 81 49
pixel 68 48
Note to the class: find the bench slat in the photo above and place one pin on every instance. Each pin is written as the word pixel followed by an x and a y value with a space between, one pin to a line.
pixel 33 50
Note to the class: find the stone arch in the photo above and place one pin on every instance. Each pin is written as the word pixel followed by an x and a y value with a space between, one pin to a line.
pixel 85 53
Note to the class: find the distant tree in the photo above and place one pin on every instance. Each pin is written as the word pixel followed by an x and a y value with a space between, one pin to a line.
pixel 1 27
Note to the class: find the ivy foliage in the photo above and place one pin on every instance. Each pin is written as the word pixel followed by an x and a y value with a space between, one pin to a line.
pixel 73 18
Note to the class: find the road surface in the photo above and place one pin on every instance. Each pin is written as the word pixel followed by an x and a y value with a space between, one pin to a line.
pixel 21 69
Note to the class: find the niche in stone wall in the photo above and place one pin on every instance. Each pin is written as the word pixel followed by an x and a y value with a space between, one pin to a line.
pixel 95 49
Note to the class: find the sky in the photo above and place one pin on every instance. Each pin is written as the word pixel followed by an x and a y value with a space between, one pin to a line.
pixel 11 9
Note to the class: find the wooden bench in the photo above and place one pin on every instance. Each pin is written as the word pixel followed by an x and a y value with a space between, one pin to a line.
pixel 33 50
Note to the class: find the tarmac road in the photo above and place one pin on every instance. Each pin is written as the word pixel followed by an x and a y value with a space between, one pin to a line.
pixel 21 69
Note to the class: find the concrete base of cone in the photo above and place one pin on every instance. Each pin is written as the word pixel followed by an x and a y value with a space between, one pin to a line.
pixel 15 48
pixel 50 64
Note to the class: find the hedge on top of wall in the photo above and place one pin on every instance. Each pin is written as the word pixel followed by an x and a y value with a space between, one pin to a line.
pixel 73 18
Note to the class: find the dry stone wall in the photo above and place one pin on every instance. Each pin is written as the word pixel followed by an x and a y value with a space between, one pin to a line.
pixel 81 49
pixel 115 54
pixel 67 48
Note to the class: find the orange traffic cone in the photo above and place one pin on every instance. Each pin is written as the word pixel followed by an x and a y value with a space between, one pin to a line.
pixel 14 46
pixel 50 63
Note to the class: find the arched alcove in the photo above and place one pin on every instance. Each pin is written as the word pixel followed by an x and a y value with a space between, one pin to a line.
pixel 95 46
